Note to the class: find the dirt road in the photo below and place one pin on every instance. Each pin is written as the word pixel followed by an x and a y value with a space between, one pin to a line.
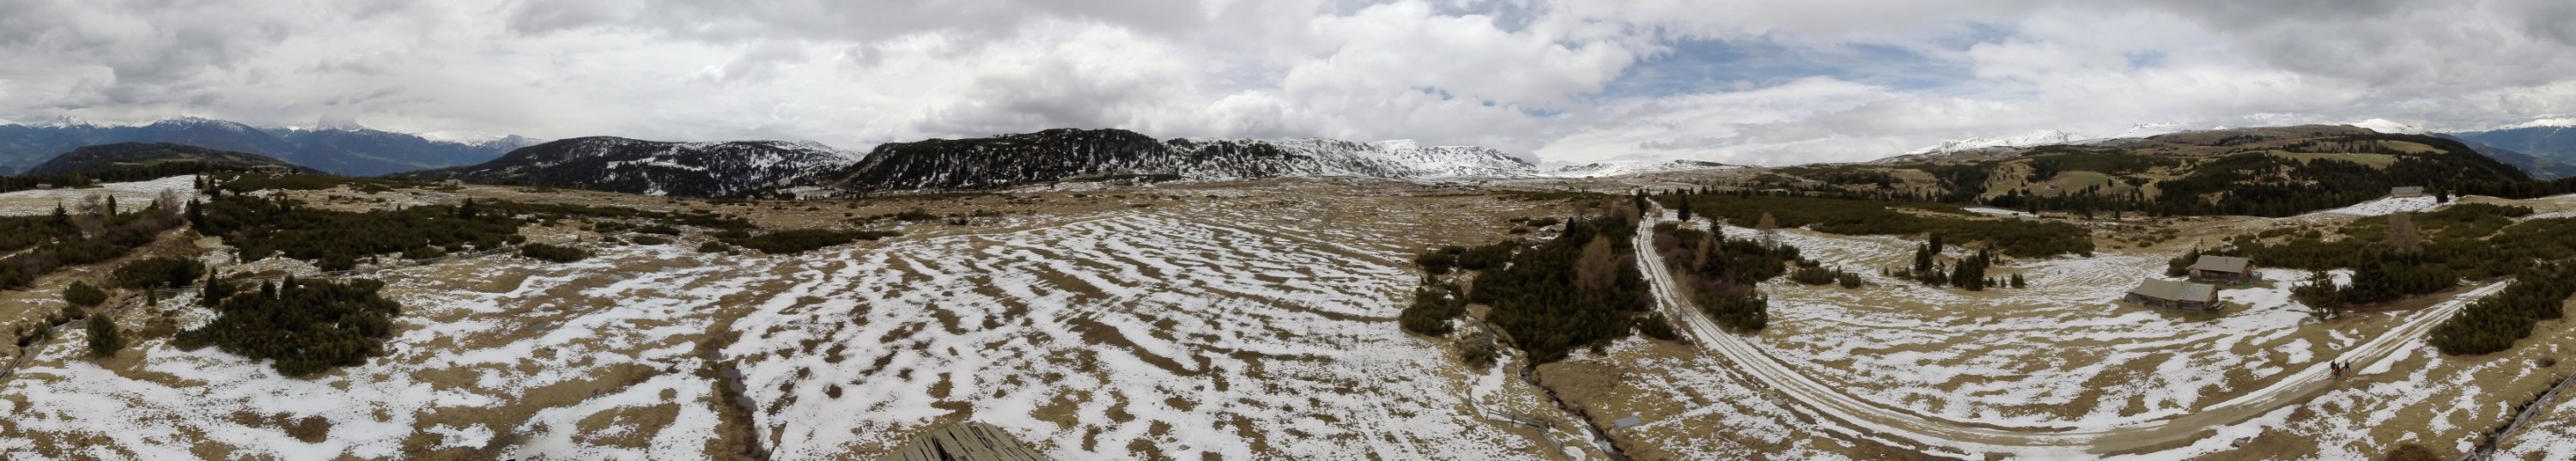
pixel 1934 434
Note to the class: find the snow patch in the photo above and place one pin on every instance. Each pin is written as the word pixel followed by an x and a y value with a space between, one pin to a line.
pixel 132 195
pixel 2032 139
pixel 2389 205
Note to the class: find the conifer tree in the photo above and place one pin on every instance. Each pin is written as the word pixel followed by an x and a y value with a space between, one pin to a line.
pixel 2402 235
pixel 1922 259
pixel 82 294
pixel 213 291
pixel 196 214
pixel 104 340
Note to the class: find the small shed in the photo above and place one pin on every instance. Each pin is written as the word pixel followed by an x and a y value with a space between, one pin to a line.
pixel 2172 294
pixel 2223 269
pixel 2406 191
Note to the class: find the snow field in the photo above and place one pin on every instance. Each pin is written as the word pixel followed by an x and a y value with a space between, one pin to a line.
pixel 1118 338
pixel 555 344
pixel 2060 354
pixel 132 194
pixel 2389 205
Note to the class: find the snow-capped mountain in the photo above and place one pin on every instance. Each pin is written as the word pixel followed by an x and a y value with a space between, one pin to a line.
pixel 1629 167
pixel 2035 138
pixel 2390 127
pixel 2140 130
pixel 696 169
pixel 1073 154
pixel 341 148
pixel 1399 159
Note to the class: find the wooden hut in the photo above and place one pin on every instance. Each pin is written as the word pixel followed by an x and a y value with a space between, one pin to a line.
pixel 2172 294
pixel 2223 269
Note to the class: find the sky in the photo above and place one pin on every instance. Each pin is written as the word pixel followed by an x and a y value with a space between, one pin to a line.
pixel 1762 82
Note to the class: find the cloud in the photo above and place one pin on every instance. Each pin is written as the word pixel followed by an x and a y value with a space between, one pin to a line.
pixel 1729 80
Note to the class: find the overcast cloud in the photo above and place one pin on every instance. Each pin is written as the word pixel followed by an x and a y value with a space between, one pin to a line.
pixel 1742 81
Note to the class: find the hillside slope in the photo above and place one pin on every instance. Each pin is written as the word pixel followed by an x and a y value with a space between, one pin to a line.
pixel 132 155
pixel 712 169
pixel 1108 154
pixel 2274 171
pixel 2553 147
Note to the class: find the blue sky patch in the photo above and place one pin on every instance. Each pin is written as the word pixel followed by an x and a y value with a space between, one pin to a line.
pixel 1706 66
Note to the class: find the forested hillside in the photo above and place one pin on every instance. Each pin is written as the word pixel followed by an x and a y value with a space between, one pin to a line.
pixel 160 156
pixel 2257 171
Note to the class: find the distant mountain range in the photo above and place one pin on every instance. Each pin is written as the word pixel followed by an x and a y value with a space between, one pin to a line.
pixel 2549 151
pixel 344 150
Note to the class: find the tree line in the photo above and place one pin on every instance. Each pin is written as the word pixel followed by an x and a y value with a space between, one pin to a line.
pixel 260 228
pixel 2015 237
pixel 2399 255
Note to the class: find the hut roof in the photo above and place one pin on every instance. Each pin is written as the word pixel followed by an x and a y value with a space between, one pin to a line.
pixel 2220 263
pixel 2175 290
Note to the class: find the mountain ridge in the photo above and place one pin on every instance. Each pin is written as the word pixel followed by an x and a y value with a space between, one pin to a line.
pixel 2552 147
pixel 1078 154
pixel 615 164
pixel 345 149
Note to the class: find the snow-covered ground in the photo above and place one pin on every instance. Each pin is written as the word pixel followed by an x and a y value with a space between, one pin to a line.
pixel 37 202
pixel 2388 205
pixel 2062 353
pixel 2063 358
pixel 476 338
pixel 1120 338
pixel 1995 211
pixel 1628 167
pixel 1250 332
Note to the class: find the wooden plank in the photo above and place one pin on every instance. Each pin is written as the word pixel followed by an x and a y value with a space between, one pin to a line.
pixel 968 441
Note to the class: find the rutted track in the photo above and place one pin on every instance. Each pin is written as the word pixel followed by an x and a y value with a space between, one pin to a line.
pixel 1889 424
